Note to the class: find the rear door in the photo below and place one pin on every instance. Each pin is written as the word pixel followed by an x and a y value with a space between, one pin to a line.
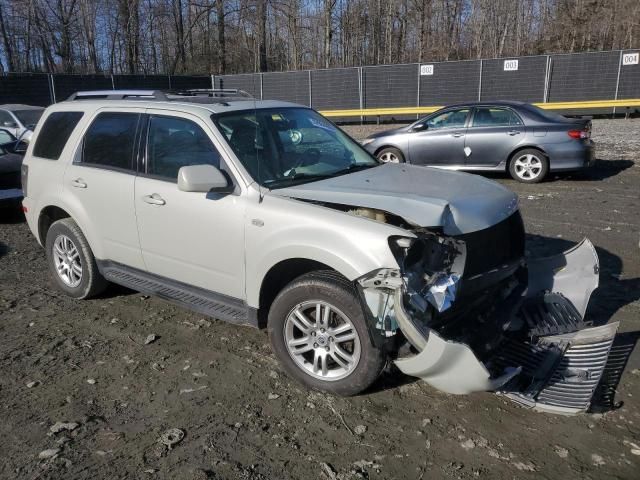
pixel 493 133
pixel 101 180
pixel 439 141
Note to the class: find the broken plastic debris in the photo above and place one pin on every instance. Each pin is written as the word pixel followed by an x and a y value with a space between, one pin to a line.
pixel 171 437
pixel 150 338
pixel 61 426
pixel 49 453
pixel 443 292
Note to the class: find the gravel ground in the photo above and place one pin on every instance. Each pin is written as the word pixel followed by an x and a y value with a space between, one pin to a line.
pixel 86 364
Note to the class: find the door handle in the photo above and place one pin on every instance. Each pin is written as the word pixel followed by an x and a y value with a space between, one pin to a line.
pixel 457 135
pixel 78 183
pixel 154 199
pixel 513 132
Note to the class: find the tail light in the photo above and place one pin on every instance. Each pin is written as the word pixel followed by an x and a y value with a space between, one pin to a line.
pixel 579 134
pixel 24 177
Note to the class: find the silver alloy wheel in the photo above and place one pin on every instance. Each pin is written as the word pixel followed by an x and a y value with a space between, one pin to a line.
pixel 528 166
pixel 389 157
pixel 322 340
pixel 66 259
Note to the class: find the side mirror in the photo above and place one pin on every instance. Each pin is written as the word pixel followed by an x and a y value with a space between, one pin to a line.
pixel 421 127
pixel 10 124
pixel 203 178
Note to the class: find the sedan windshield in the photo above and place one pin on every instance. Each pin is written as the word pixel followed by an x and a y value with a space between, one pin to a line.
pixel 28 118
pixel 280 147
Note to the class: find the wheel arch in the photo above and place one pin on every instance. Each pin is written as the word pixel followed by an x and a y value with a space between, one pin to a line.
pixel 48 215
pixel 280 275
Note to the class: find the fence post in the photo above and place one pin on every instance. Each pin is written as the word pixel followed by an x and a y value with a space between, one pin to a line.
pixel 113 84
pixel 418 96
pixel 615 97
pixel 169 79
pixel 361 96
pixel 261 86
pixel 480 83
pixel 547 78
pixel 52 89
pixel 310 91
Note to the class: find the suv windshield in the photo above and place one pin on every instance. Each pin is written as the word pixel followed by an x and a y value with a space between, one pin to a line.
pixel 28 118
pixel 281 147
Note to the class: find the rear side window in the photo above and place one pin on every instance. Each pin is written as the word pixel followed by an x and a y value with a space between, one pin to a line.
pixel 110 141
pixel 176 142
pixel 495 117
pixel 54 134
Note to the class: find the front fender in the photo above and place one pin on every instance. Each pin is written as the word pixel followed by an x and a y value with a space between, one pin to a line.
pixel 289 229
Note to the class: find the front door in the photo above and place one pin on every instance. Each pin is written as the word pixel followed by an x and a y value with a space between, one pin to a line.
pixel 194 238
pixel 439 140
pixel 493 134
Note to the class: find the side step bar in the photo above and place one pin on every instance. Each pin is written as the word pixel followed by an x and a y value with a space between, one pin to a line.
pixel 197 299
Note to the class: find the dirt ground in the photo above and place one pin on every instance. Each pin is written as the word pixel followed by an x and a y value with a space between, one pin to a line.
pixel 86 363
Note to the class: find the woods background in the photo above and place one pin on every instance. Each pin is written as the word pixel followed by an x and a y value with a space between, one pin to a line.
pixel 229 36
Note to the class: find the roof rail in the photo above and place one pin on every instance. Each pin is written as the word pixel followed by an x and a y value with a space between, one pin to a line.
pixel 212 92
pixel 118 95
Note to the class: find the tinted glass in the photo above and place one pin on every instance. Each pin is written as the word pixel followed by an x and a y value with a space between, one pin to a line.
pixel 6 137
pixel 5 118
pixel 495 117
pixel 28 118
pixel 174 143
pixel 280 147
pixel 109 142
pixel 450 119
pixel 54 134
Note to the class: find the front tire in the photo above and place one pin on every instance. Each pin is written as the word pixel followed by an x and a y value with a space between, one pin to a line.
pixel 529 166
pixel 390 155
pixel 71 261
pixel 319 333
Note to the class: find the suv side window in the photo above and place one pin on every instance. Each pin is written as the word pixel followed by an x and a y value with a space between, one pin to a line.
pixel 110 140
pixel 450 119
pixel 175 142
pixel 495 117
pixel 55 132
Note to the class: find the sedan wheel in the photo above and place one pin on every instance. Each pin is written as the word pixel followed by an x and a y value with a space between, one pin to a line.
pixel 529 166
pixel 390 155
pixel 322 340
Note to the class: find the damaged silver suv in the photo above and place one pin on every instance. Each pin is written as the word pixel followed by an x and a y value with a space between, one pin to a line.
pixel 264 213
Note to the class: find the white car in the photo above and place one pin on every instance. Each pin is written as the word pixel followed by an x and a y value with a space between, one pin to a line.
pixel 20 120
pixel 264 213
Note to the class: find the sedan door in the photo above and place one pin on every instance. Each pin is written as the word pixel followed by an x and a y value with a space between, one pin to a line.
pixel 493 134
pixel 194 238
pixel 439 140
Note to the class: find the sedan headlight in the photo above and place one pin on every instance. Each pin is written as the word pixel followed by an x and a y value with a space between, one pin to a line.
pixel 366 141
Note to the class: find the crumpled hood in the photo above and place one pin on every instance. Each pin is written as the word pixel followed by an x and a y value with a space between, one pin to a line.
pixel 427 197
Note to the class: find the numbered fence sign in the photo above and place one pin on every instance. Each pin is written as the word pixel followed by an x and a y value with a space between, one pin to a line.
pixel 510 65
pixel 630 58
pixel 426 69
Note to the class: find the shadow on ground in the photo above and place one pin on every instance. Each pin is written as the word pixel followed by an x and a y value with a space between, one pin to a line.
pixel 11 212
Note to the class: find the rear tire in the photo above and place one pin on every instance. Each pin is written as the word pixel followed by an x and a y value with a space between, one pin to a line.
pixel 71 261
pixel 529 166
pixel 330 351
pixel 390 155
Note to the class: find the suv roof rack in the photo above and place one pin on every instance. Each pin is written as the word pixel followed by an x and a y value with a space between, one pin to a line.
pixel 119 95
pixel 196 95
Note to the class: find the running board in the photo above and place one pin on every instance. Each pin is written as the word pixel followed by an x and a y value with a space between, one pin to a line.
pixel 220 307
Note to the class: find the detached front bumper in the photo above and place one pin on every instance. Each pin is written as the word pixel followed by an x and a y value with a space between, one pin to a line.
pixel 547 357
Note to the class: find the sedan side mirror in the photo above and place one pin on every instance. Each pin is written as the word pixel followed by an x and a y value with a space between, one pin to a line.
pixel 421 127
pixel 203 178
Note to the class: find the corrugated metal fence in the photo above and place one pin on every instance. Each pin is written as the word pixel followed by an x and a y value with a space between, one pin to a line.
pixel 611 75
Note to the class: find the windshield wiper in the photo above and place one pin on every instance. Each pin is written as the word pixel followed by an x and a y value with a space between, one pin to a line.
pixel 354 168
